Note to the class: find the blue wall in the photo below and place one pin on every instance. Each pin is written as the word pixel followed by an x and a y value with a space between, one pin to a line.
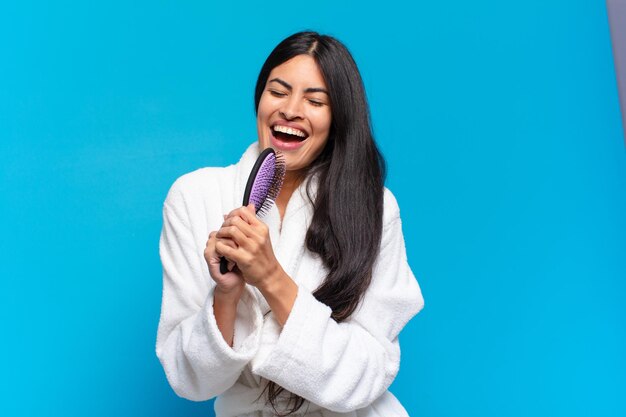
pixel 500 123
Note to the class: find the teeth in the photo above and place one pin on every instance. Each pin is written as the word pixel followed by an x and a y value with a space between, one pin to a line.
pixel 289 131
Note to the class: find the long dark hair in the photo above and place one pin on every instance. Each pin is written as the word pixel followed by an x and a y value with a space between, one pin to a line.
pixel 348 206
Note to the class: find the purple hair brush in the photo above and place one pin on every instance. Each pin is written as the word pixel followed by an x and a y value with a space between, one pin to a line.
pixel 263 185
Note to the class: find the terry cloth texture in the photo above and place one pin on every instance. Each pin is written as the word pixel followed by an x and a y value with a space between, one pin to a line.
pixel 341 369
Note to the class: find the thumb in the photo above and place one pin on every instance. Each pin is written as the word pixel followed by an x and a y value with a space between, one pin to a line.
pixel 250 216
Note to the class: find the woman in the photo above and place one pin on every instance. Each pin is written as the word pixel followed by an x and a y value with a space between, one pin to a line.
pixel 307 320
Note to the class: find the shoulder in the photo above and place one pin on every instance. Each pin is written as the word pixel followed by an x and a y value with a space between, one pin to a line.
pixel 209 184
pixel 195 181
pixel 391 210
pixel 194 186
pixel 392 224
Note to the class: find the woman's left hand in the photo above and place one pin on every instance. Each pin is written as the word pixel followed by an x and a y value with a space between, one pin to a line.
pixel 254 255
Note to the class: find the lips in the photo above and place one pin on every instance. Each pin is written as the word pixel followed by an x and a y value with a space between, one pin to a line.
pixel 287 136
pixel 286 142
pixel 289 128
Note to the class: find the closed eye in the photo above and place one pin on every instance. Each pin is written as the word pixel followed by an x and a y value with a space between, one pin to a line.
pixel 277 93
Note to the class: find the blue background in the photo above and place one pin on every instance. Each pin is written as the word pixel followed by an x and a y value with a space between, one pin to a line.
pixel 500 123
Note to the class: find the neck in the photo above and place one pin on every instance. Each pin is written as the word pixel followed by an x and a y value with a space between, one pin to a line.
pixel 291 181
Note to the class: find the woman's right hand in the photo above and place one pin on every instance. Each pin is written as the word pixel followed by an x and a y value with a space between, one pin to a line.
pixel 229 285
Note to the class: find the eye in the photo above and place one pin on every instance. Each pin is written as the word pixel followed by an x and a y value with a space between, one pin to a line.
pixel 316 103
pixel 277 93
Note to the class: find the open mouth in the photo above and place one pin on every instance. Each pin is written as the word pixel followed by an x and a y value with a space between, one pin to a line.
pixel 287 134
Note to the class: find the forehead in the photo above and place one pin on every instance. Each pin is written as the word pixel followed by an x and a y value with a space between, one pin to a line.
pixel 301 70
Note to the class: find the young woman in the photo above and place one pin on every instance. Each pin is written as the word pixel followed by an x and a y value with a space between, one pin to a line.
pixel 307 320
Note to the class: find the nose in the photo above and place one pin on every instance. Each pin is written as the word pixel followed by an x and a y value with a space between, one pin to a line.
pixel 291 108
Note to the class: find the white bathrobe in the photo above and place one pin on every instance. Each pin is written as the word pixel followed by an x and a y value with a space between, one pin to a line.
pixel 341 369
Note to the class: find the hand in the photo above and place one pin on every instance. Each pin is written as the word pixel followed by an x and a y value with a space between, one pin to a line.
pixel 252 251
pixel 230 284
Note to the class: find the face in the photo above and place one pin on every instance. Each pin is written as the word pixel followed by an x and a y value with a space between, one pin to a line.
pixel 294 114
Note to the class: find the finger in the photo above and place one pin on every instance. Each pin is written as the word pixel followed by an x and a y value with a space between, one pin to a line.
pixel 248 213
pixel 233 212
pixel 210 244
pixel 228 242
pixel 233 233
pixel 222 249
pixel 241 224
pixel 211 237
pixel 210 253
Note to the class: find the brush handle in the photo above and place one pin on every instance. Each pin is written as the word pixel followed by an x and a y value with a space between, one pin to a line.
pixel 223 266
pixel 267 185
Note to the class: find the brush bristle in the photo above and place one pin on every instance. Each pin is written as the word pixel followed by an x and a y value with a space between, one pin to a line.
pixel 268 181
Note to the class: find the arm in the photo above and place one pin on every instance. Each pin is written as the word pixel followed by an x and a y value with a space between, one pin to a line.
pixel 225 312
pixel 197 361
pixel 346 366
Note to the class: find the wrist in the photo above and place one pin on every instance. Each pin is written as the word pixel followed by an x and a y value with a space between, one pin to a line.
pixel 228 296
pixel 272 281
pixel 280 292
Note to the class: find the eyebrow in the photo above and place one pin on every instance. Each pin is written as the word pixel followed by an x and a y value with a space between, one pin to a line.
pixel 290 88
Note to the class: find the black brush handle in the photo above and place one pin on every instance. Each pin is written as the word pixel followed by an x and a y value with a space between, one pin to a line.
pixel 246 195
pixel 223 266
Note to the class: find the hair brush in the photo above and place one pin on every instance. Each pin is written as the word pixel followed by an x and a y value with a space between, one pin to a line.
pixel 263 185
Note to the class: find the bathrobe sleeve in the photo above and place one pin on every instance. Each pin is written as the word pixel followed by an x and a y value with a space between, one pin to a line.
pixel 346 366
pixel 197 361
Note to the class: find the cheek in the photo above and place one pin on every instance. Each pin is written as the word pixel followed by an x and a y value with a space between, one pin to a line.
pixel 266 107
pixel 262 119
pixel 323 126
pixel 261 112
pixel 325 120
